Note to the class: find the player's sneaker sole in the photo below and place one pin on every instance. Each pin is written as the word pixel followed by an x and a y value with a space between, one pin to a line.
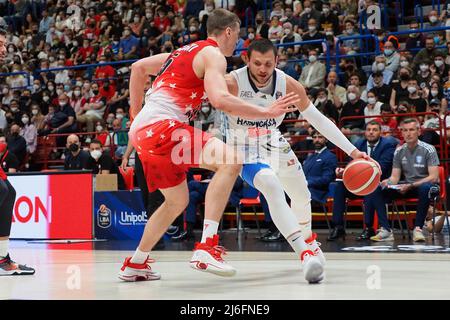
pixel 133 276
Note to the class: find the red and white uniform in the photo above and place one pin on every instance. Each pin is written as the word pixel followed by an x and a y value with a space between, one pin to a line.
pixel 160 132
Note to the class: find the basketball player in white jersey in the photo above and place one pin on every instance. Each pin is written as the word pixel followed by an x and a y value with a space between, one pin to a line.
pixel 270 165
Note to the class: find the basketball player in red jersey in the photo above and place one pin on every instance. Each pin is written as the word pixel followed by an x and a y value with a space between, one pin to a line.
pixel 168 146
pixel 7 199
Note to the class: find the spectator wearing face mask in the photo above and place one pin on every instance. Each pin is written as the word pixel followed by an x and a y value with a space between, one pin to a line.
pixel 423 76
pixel 101 163
pixel 313 34
pixel 309 12
pixel 400 87
pixel 350 46
pixel 380 66
pixel 328 19
pixel 128 45
pixel 15 110
pixel 290 36
pixel 75 158
pixel 93 109
pixel 373 107
pixel 439 67
pixel 313 75
pixel 77 101
pixel 9 161
pixel 325 105
pixel 29 132
pixel 426 54
pixel 392 56
pixel 381 90
pixel 354 107
pixel 7 95
pixel 262 28
pixel 102 135
pixel 16 143
pixel 37 118
pixel 414 99
pixel 251 36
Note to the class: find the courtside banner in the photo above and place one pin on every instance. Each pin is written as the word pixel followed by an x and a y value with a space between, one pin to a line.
pixel 52 206
pixel 119 215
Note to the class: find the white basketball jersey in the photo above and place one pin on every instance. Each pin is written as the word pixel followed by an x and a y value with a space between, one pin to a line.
pixel 256 137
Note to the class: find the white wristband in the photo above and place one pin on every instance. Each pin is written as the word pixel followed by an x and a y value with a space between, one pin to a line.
pixel 328 129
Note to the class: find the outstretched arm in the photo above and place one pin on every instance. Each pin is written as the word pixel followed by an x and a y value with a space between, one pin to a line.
pixel 321 123
pixel 222 99
pixel 140 72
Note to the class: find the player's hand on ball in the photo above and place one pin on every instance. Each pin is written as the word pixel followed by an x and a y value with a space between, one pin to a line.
pixel 283 105
pixel 356 154
pixel 339 172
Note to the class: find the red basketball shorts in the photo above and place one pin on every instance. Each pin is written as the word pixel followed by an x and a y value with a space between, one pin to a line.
pixel 167 149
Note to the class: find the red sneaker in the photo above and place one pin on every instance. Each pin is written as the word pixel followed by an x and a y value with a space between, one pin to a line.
pixel 208 257
pixel 314 246
pixel 138 272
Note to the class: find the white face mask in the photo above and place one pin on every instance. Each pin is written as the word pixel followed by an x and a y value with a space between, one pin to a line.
pixel 25 120
pixel 350 31
pixel 77 93
pixel 312 28
pixel 381 66
pixel 312 58
pixel 412 89
pixel 46 98
pixel 11 50
pixel 326 10
pixel 423 67
pixel 282 64
pixel 119 116
pixel 371 100
pixel 351 96
pixel 251 36
pixel 36 87
pixel 404 63
pixel 136 19
pixel 192 28
pixel 287 31
pixel 99 128
pixel 307 10
pixel 205 109
pixel 96 154
pixel 329 33
pixel 439 63
pixel 209 8
pixel 34 112
pixel 59 91
pixel 51 88
pixel 62 104
pixel 322 100
pixel 434 93
pixel 433 19
pixel 14 109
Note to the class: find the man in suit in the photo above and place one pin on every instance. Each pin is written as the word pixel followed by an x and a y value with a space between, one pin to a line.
pixel 382 150
pixel 320 168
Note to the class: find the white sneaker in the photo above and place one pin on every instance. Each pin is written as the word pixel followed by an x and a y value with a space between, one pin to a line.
pixel 418 235
pixel 314 246
pixel 312 268
pixel 207 257
pixel 138 272
pixel 383 235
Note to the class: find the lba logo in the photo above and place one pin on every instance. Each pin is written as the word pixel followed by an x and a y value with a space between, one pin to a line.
pixel 103 217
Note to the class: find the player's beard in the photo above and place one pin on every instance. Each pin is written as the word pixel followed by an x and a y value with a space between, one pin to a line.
pixel 259 84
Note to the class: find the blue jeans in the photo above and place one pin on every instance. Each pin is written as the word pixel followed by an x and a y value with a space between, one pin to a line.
pixel 421 193
pixel 372 202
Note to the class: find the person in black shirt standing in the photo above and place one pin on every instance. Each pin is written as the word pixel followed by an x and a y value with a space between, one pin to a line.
pixel 102 163
pixel 76 159
pixel 17 144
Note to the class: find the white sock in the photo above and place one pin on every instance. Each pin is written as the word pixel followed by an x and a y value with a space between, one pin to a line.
pixel 4 248
pixel 139 257
pixel 306 229
pixel 297 242
pixel 210 228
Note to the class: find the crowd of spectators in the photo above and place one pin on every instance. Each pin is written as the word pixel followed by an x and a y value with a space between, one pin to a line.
pixel 411 74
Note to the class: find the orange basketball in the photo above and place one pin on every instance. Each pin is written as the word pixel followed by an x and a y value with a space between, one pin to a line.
pixel 362 177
